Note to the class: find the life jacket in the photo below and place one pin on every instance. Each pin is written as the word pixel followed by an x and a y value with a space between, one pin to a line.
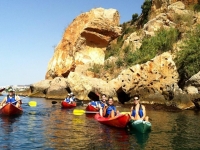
pixel 109 109
pixel 102 104
pixel 140 112
pixel 67 100
pixel 11 100
pixel 94 103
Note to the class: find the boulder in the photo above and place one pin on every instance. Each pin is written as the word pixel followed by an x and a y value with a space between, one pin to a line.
pixel 192 86
pixel 57 89
pixel 82 85
pixel 40 88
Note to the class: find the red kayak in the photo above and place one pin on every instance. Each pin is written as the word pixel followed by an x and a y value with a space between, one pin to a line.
pixel 68 105
pixel 91 108
pixel 119 121
pixel 10 110
pixel 1 90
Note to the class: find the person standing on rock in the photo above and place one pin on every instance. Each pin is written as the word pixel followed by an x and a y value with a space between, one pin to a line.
pixel 138 111
pixel 11 98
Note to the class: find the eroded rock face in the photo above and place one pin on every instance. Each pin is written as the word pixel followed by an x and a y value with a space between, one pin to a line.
pixel 192 86
pixel 156 76
pixel 82 85
pixel 84 41
pixel 161 6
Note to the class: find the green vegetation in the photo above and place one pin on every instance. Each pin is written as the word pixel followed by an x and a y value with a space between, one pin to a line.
pixel 151 46
pixel 197 6
pixel 134 18
pixel 188 59
pixel 146 7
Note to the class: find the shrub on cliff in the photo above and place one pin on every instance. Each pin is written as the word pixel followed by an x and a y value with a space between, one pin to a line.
pixel 146 7
pixel 197 6
pixel 151 46
pixel 188 59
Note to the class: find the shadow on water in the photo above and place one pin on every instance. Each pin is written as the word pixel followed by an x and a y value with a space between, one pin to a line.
pixel 141 138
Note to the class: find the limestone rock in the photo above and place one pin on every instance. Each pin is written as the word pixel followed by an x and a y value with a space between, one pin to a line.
pixel 57 89
pixel 84 41
pixel 192 86
pixel 40 88
pixel 134 41
pixel 160 21
pixel 155 76
pixel 82 85
pixel 161 6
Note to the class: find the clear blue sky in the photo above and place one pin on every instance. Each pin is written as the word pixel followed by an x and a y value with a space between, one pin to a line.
pixel 29 30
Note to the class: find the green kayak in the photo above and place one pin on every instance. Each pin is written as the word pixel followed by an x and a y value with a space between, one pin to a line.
pixel 140 126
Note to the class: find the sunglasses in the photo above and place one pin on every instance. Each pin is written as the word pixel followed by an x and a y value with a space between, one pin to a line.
pixel 136 98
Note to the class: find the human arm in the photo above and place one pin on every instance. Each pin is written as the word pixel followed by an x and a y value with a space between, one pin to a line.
pixel 144 112
pixel 4 100
pixel 104 110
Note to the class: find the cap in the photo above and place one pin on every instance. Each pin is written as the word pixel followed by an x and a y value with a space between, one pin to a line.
pixel 11 90
pixel 71 93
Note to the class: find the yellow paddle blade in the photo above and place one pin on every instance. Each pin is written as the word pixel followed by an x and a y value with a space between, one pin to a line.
pixel 32 103
pixel 78 112
pixel 125 113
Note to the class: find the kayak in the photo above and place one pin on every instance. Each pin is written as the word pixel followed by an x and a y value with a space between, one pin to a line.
pixel 119 121
pixel 140 126
pixel 1 90
pixel 91 108
pixel 68 105
pixel 10 110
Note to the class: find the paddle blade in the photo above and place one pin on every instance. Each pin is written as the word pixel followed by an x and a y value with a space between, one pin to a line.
pixel 32 103
pixel 78 112
pixel 53 102
pixel 125 113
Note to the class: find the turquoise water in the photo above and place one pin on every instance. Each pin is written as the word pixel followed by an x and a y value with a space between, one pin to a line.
pixel 48 127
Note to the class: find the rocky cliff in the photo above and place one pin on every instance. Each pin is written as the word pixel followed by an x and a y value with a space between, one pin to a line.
pixel 84 41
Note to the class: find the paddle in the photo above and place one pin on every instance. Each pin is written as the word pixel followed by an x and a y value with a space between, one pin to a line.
pixel 31 103
pixel 81 112
pixel 76 100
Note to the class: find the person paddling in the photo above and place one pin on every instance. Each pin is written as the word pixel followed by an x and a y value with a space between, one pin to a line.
pixel 100 103
pixel 138 110
pixel 70 98
pixel 110 109
pixel 11 98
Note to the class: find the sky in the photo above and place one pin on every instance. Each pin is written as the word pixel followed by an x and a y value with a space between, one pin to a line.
pixel 30 29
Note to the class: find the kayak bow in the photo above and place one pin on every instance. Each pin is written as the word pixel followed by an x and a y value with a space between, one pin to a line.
pixel 10 110
pixel 119 121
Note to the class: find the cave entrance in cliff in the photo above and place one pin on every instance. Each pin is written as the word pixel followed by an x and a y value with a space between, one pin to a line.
pixel 122 96
pixel 93 96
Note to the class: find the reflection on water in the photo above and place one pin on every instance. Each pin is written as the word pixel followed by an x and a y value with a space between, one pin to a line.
pixel 48 126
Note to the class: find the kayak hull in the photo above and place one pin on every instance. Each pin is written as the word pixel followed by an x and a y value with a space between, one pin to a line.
pixel 140 126
pixel 67 105
pixel 119 121
pixel 91 108
pixel 10 110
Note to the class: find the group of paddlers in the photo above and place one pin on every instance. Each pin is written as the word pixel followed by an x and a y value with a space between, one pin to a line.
pixel 105 106
pixel 108 109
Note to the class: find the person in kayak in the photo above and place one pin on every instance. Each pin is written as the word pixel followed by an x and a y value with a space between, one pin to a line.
pixel 11 98
pixel 100 103
pixel 110 109
pixel 70 99
pixel 138 111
